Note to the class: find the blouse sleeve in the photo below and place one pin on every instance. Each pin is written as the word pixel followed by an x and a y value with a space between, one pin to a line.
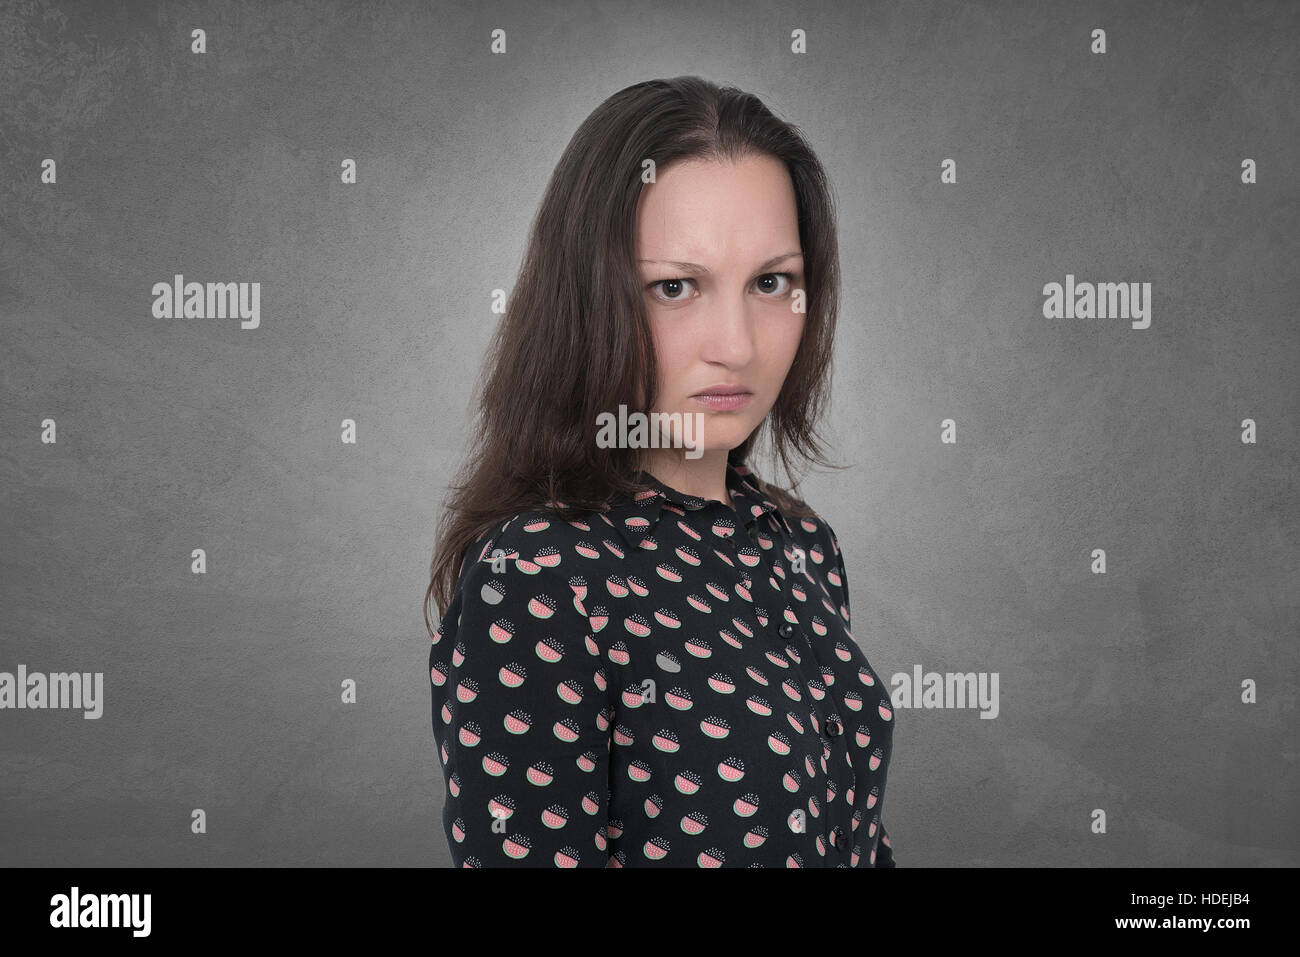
pixel 519 717
pixel 884 850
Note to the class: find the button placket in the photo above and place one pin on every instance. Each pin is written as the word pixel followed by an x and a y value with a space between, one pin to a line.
pixel 837 828
pixel 838 825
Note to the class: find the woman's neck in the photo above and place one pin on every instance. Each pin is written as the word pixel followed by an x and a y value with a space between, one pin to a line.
pixel 705 477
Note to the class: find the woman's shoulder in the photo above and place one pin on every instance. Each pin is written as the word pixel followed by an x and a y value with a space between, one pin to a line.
pixel 805 521
pixel 816 526
pixel 538 542
pixel 524 566
pixel 541 527
pixel 808 525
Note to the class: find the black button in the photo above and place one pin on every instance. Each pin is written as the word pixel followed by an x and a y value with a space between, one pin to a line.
pixel 839 837
pixel 786 629
pixel 832 727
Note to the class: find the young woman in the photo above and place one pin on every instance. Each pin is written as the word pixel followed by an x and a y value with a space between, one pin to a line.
pixel 644 655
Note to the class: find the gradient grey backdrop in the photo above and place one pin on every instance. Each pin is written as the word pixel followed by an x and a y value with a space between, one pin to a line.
pixel 222 691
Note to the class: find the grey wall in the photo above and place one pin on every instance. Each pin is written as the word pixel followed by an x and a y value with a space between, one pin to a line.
pixel 1119 691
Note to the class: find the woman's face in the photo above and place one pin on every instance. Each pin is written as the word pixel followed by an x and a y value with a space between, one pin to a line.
pixel 720 260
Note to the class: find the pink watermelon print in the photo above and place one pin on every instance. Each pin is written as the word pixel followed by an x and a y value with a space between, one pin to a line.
pixel 655 685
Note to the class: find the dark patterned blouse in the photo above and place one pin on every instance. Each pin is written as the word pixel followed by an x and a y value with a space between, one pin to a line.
pixel 668 682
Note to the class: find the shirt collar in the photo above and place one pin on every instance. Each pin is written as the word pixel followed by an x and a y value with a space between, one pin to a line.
pixel 637 516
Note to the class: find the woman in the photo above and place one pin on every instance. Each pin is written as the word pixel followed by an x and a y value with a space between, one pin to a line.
pixel 644 653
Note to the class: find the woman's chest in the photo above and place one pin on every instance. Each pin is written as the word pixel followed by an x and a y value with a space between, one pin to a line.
pixel 744 709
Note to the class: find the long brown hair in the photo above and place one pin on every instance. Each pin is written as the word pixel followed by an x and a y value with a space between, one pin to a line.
pixel 575 340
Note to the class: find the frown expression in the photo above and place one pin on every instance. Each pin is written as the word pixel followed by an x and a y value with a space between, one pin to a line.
pixel 720 263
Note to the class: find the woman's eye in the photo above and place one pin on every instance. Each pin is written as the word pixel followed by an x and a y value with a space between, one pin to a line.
pixel 672 288
pixel 677 290
pixel 774 276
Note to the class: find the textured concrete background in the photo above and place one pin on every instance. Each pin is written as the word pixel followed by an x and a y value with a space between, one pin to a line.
pixel 1118 691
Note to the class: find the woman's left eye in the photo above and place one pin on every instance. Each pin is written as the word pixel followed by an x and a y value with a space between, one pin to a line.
pixel 775 276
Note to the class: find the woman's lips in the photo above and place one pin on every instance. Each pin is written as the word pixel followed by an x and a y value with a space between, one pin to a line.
pixel 724 402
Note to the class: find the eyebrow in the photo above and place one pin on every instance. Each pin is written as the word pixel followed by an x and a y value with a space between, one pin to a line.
pixel 697 268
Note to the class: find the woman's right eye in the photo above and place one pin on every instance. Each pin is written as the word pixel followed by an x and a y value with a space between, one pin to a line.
pixel 673 289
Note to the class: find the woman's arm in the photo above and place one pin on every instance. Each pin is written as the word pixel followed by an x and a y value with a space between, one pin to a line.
pixel 521 724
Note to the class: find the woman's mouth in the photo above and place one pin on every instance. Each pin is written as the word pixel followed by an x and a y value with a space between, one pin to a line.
pixel 724 398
